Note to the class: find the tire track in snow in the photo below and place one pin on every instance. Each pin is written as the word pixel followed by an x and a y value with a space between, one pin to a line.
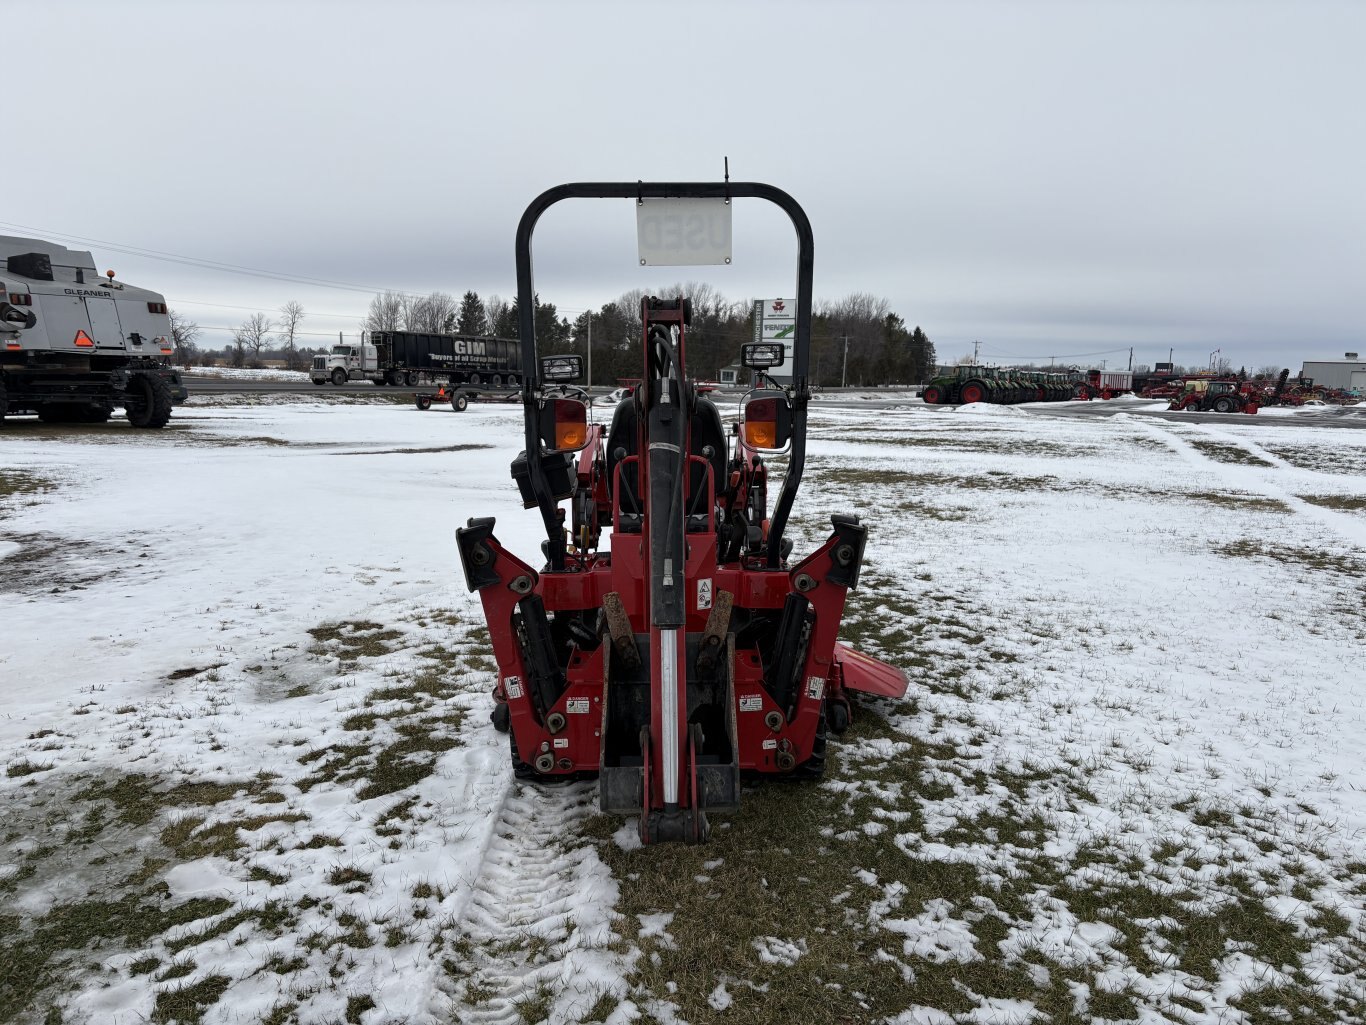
pixel 1253 479
pixel 539 912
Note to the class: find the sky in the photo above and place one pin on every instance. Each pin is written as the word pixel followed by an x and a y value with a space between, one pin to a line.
pixel 1057 179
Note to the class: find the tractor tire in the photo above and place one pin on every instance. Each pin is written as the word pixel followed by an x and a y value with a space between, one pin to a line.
pixel 932 395
pixel 459 401
pixel 973 391
pixel 424 402
pixel 149 401
pixel 1223 404
pixel 339 377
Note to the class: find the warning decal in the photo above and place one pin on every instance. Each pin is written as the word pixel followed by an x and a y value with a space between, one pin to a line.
pixel 751 703
pixel 513 686
pixel 577 706
pixel 704 593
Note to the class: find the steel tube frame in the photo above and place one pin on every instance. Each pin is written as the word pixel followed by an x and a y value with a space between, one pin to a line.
pixel 531 370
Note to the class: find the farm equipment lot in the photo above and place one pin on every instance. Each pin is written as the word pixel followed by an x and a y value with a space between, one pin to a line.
pixel 250 774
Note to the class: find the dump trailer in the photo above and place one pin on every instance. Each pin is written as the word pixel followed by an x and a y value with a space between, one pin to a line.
pixel 413 357
pixel 73 344
pixel 688 648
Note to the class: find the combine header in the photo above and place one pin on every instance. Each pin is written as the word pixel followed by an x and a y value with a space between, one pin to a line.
pixel 685 649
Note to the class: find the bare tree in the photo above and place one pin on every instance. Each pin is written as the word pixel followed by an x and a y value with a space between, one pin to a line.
pixel 386 313
pixel 433 313
pixel 253 335
pixel 1269 371
pixel 183 333
pixel 291 315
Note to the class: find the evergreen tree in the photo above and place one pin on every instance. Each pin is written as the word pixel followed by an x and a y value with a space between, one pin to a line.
pixel 472 318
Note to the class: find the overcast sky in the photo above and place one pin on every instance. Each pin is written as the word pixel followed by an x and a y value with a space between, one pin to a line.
pixel 1045 178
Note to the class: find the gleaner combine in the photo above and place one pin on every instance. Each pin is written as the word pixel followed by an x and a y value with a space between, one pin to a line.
pixel 686 649
pixel 74 345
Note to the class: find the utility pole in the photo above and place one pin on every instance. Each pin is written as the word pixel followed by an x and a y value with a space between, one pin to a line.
pixel 976 347
pixel 844 371
pixel 1131 359
pixel 590 350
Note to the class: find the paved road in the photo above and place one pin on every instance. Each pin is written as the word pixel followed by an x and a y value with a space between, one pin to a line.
pixel 1348 417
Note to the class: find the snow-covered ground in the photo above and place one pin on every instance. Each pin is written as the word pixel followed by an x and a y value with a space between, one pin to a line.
pixel 250 777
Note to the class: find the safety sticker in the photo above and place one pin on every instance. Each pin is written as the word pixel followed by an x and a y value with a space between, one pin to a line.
pixel 815 686
pixel 513 685
pixel 751 703
pixel 577 706
pixel 704 593
pixel 770 745
pixel 561 741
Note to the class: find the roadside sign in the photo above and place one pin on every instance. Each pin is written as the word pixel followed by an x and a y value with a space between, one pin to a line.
pixel 778 324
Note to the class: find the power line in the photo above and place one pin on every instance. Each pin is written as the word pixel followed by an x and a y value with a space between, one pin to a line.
pixel 194 261
pixel 1054 355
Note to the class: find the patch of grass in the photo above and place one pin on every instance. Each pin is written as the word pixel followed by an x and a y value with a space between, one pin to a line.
pixel 350 642
pixel 190 838
pixel 186 1006
pixel 356 1006
pixel 54 944
pixel 1314 558
pixel 1346 503
pixel 24 768
pixel 17 483
pixel 1224 452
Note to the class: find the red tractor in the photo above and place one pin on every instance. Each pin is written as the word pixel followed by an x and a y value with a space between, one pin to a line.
pixel 1217 396
pixel 687 648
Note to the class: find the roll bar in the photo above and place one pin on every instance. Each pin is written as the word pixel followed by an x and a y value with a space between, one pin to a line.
pixel 526 315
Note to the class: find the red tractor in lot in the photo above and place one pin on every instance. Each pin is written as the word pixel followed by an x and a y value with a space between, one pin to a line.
pixel 686 648
pixel 1228 396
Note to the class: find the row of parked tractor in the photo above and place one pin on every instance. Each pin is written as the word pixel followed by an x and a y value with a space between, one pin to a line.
pixel 1006 386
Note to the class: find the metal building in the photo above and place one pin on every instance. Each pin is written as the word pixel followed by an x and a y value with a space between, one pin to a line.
pixel 1348 374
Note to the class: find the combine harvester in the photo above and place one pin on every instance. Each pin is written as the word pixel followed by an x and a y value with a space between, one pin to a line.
pixel 687 650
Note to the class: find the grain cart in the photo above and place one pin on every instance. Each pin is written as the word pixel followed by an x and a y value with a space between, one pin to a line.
pixel 689 648
pixel 74 345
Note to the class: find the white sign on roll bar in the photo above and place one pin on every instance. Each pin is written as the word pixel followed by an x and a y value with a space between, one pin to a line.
pixel 683 232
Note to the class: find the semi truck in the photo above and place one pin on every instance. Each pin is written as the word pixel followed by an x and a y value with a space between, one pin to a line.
pixel 410 357
pixel 73 344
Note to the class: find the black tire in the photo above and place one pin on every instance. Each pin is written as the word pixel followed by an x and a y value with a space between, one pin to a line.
pixel 318 383
pixel 424 402
pixel 459 401
pixel 339 377
pixel 476 379
pixel 512 381
pixel 149 401
pixel 496 381
pixel 410 379
pixel 1223 404
pixel 97 414
pixel 382 382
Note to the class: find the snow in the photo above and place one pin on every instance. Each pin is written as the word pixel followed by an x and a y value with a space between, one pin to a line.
pixel 157 605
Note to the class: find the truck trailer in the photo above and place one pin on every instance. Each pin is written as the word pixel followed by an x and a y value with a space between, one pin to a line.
pixel 412 357
pixel 74 345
